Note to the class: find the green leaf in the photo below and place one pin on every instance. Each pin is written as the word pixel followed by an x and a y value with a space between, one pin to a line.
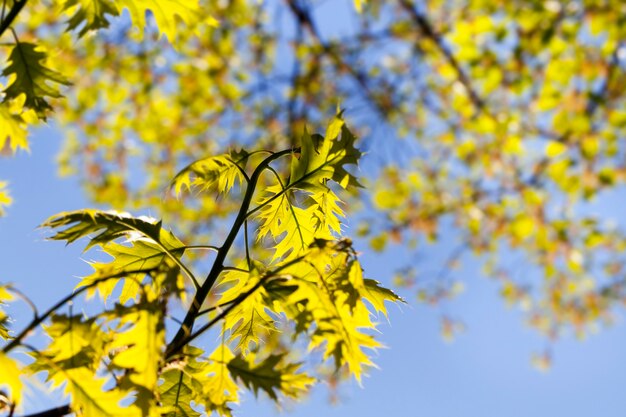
pixel 330 289
pixel 150 245
pixel 76 342
pixel 89 15
pixel 140 345
pixel 272 375
pixel 328 213
pixel 219 389
pixel 32 78
pixel 132 263
pixel 88 394
pixel 177 391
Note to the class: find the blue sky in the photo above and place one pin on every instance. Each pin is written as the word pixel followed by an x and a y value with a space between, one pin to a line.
pixel 485 372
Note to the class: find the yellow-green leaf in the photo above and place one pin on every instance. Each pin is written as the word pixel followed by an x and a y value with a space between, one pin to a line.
pixel 32 78
pixel 89 15
pixel 167 14
pixel 272 375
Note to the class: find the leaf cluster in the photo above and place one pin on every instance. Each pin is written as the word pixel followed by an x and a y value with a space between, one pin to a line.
pixel 310 292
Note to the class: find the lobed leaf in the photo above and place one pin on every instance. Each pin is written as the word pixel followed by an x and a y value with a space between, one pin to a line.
pixel 132 263
pixel 76 342
pixel 376 295
pixel 272 375
pixel 167 14
pixel 14 134
pixel 31 78
pixel 89 15
pixel 208 383
pixel 249 321
pixel 140 344
pixel 324 158
pixel 295 222
pixel 221 173
pixel 103 226
pixel 292 227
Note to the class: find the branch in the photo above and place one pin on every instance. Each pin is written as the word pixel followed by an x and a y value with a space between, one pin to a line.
pixel 428 30
pixel 53 412
pixel 185 329
pixel 305 20
pixel 18 5
pixel 172 349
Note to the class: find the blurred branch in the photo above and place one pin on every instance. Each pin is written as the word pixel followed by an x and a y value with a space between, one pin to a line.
pixel 305 20
pixel 428 30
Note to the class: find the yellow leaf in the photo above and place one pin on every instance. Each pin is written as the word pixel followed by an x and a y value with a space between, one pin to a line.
pixel 5 198
pixel 167 14
pixel 13 134
pixel 523 226
pixel 10 377
pixel 141 346
pixel 554 149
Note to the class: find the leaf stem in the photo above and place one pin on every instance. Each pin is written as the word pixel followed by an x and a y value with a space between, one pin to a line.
pixel 202 247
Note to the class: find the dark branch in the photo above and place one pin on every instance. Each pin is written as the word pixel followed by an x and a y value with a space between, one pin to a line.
pixel 430 32
pixel 218 265
pixel 305 20
pixel 8 20
pixel 53 412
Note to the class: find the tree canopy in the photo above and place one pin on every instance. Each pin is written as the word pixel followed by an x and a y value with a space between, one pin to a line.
pixel 495 122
